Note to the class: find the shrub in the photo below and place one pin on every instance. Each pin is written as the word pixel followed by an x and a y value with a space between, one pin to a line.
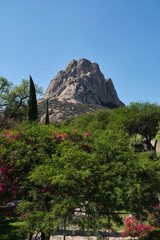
pixel 154 216
pixel 56 171
pixel 135 228
pixel 154 234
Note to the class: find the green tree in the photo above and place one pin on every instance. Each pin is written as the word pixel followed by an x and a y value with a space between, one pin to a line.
pixel 5 88
pixel 138 118
pixel 14 99
pixel 47 114
pixel 56 172
pixel 102 179
pixel 93 121
pixel 32 102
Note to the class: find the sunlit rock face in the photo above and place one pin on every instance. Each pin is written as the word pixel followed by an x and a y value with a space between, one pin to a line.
pixel 82 82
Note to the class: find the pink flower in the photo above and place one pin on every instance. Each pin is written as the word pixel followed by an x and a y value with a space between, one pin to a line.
pixel 128 224
pixel 15 152
pixel 2 185
pixel 135 228
pixel 16 180
pixel 58 136
pixel 29 140
pixel 15 136
pixel 123 235
pixel 86 145
pixel 5 175
pixel 14 191
pixel 2 169
pixel 86 134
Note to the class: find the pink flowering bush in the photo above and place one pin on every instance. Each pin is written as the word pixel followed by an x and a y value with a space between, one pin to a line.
pixel 56 171
pixel 154 216
pixel 135 228
pixel 24 148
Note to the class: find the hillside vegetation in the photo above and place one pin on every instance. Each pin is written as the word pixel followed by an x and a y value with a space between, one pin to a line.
pixel 102 164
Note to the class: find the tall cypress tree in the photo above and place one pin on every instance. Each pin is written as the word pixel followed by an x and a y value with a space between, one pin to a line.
pixel 47 115
pixel 32 102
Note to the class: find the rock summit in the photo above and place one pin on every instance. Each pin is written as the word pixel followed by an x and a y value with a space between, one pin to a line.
pixel 83 82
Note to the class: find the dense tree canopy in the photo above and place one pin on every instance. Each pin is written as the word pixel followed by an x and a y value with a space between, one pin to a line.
pixel 93 121
pixel 5 88
pixel 139 118
pixel 56 172
pixel 14 99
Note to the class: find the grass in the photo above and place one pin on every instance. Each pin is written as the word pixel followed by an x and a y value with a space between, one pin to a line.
pixel 9 229
pixel 115 228
pixel 121 227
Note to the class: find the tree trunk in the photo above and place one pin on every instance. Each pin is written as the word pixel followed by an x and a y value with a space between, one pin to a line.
pixel 30 236
pixel 150 146
pixel 155 145
pixel 36 235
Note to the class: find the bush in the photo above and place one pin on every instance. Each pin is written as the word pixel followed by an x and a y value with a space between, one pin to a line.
pixel 95 121
pixel 135 228
pixel 154 216
pixel 153 235
pixel 56 171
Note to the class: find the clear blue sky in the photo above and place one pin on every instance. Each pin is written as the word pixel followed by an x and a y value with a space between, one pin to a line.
pixel 39 38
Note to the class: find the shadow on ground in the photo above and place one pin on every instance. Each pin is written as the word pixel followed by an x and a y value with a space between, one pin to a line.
pixel 9 230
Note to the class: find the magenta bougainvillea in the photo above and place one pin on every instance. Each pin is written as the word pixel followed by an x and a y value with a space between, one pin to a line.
pixel 135 228
pixel 19 144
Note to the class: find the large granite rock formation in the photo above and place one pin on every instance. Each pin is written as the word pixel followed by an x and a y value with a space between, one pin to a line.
pixel 83 82
pixel 81 88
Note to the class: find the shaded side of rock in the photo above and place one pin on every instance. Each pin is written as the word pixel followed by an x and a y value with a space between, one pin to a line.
pixel 60 111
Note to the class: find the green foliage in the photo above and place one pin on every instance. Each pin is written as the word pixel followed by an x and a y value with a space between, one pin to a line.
pixel 5 87
pixel 154 216
pixel 14 99
pixel 10 229
pixel 158 136
pixel 56 172
pixel 7 123
pixel 138 118
pixel 155 234
pixel 32 102
pixel 137 142
pixel 93 121
pixel 102 173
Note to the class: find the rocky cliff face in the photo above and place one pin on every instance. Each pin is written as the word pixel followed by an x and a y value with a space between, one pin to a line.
pixel 81 88
pixel 83 82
